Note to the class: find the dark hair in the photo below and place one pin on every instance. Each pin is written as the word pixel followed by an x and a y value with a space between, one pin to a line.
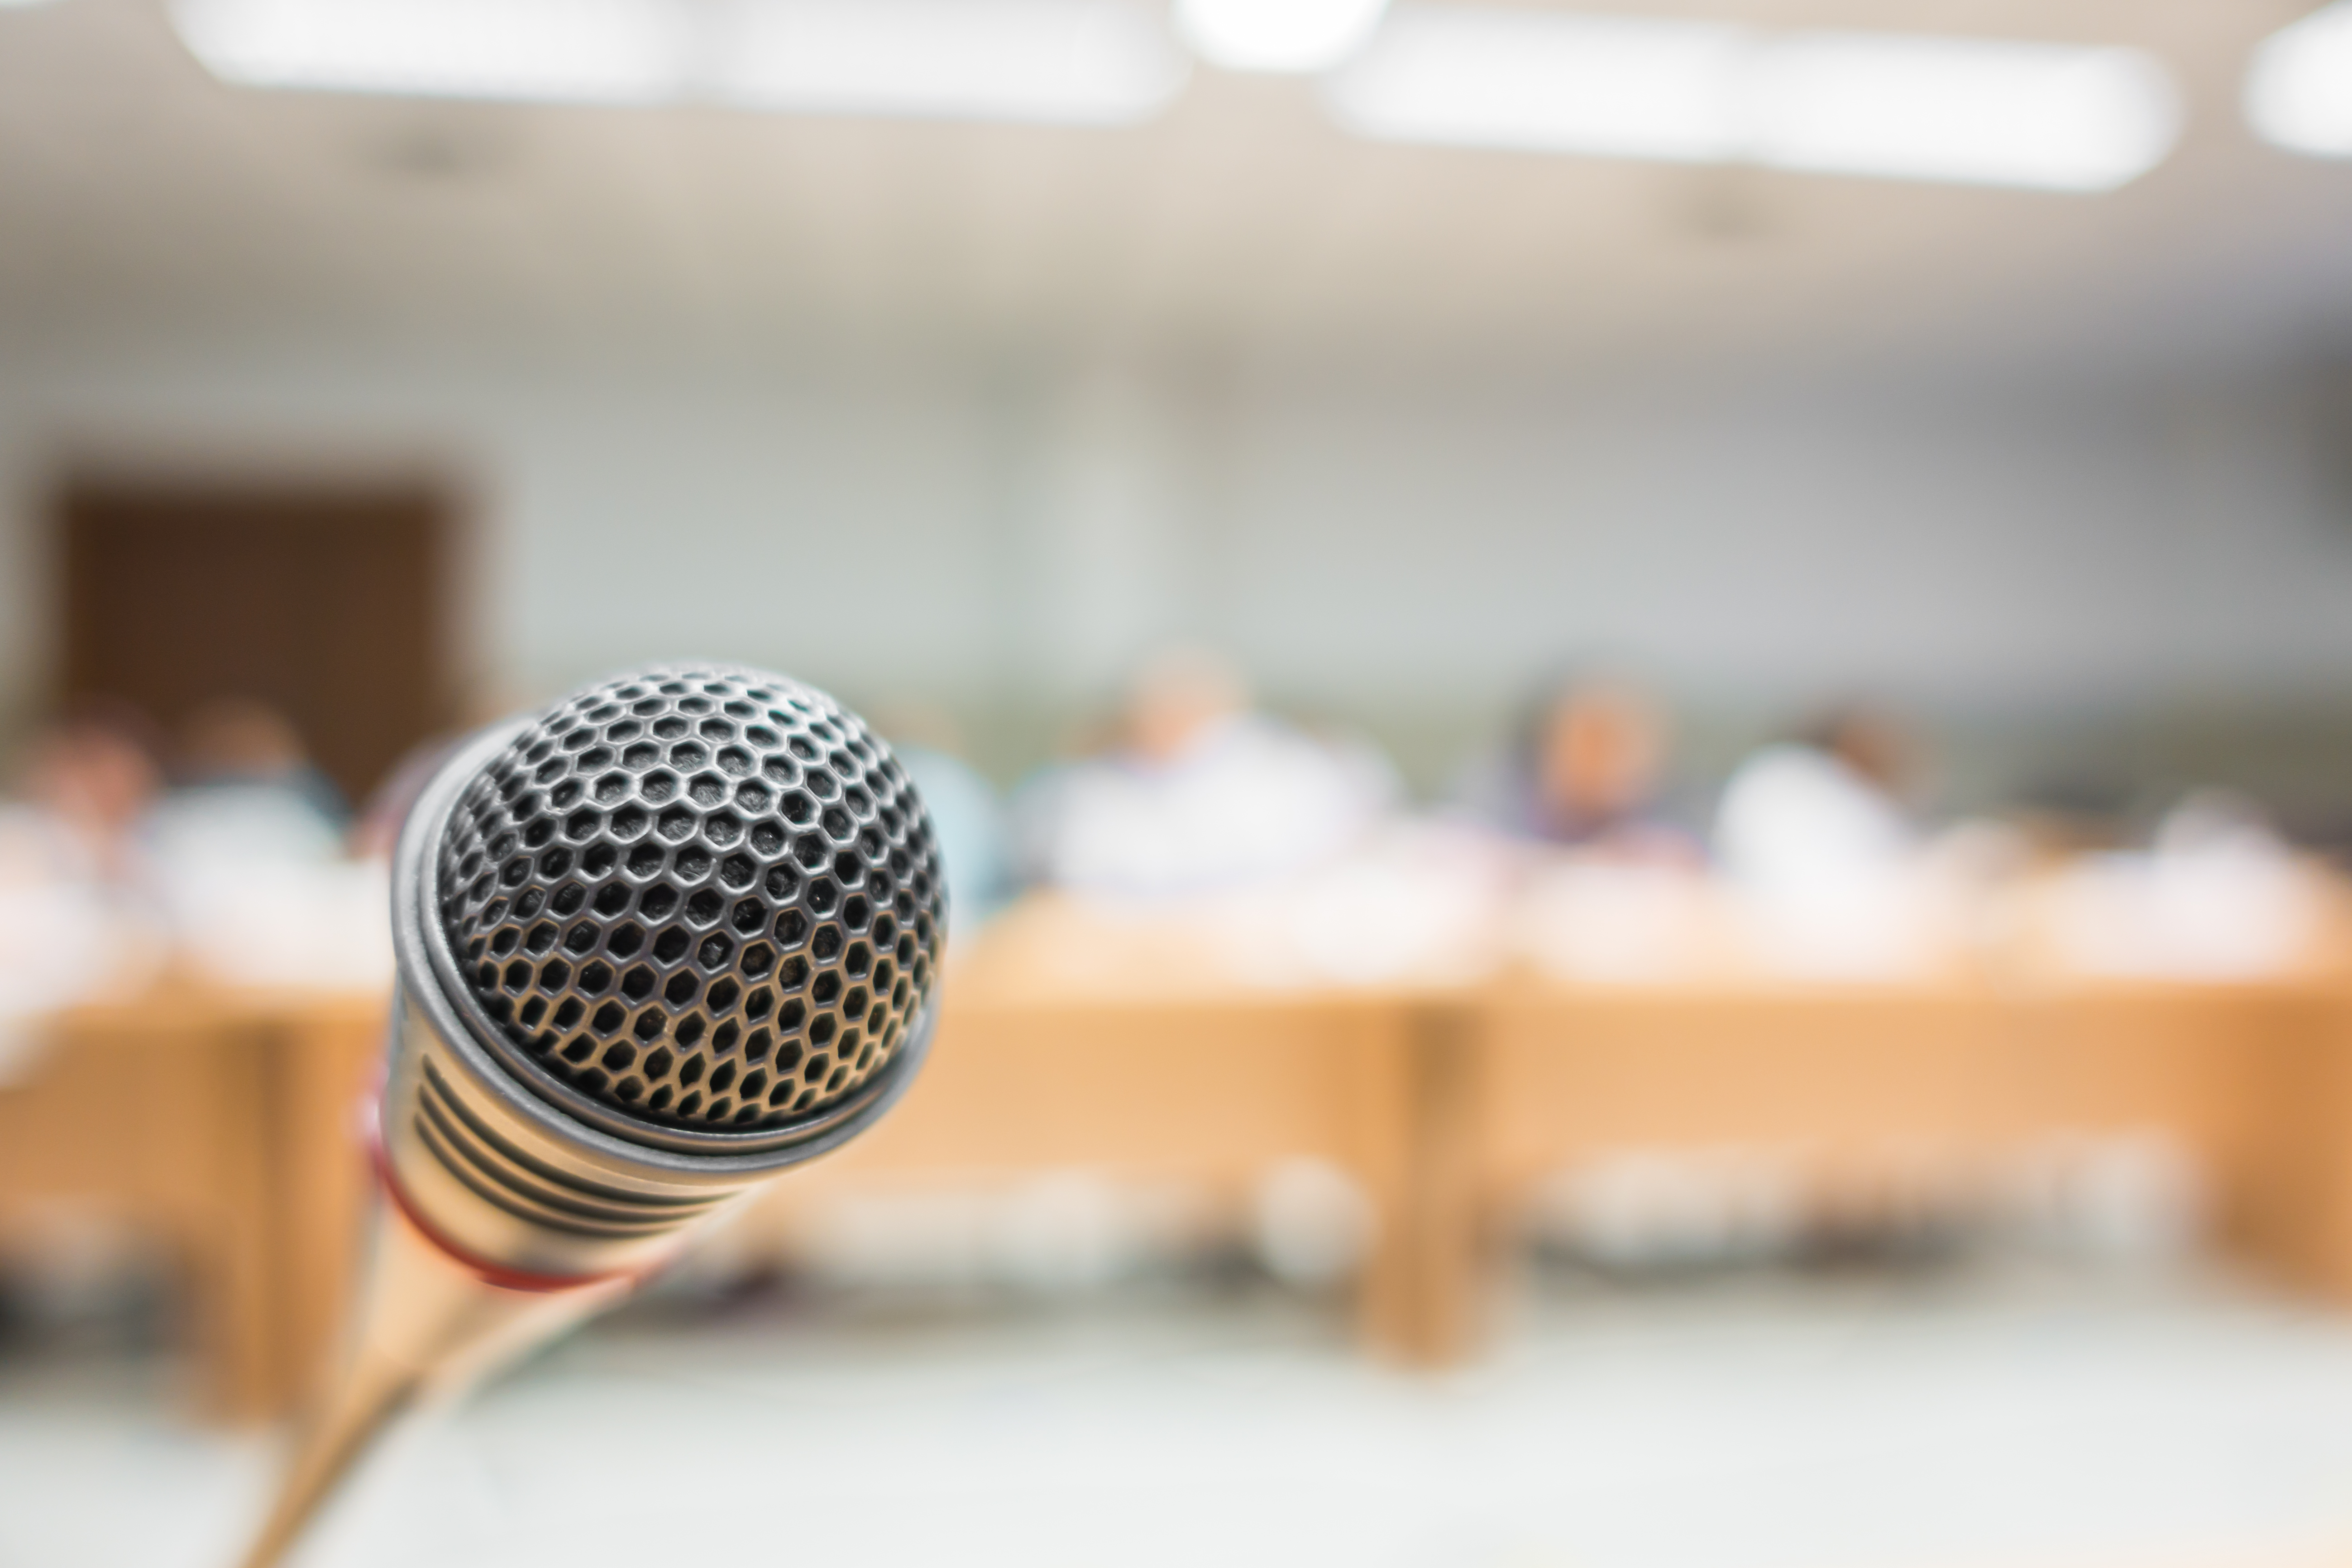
pixel 1827 728
pixel 96 712
pixel 1543 696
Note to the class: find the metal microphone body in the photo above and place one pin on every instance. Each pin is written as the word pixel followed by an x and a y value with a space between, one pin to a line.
pixel 668 938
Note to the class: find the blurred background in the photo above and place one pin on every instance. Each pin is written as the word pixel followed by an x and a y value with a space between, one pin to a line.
pixel 1642 715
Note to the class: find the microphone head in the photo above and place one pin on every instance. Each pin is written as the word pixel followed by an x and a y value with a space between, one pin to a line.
pixel 698 907
pixel 670 936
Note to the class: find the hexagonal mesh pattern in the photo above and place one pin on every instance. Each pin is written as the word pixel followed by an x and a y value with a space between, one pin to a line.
pixel 706 896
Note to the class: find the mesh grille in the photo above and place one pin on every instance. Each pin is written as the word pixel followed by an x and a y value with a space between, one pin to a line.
pixel 706 896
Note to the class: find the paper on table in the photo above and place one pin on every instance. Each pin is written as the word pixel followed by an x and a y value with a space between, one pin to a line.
pixel 2218 915
pixel 56 949
pixel 272 923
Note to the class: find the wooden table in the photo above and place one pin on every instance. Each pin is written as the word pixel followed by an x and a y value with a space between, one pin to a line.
pixel 1109 1042
pixel 223 1122
pixel 1857 1086
pixel 221 1125
pixel 155 1115
pixel 1125 1049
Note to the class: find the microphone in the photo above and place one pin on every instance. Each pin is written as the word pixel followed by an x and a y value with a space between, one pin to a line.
pixel 675 933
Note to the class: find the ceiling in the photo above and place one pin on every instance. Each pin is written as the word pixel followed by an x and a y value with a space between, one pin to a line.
pixel 139 198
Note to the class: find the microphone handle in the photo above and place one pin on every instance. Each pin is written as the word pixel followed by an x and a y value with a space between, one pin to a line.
pixel 429 1327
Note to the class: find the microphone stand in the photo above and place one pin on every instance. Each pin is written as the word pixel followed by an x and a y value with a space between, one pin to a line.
pixel 429 1327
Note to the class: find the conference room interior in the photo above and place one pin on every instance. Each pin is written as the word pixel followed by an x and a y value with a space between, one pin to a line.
pixel 1639 717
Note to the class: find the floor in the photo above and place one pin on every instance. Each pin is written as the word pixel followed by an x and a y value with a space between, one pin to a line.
pixel 1859 1422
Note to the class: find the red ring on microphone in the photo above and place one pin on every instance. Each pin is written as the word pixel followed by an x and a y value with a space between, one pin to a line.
pixel 489 1273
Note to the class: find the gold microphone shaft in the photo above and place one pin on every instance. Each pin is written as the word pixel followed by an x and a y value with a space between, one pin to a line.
pixel 429 1328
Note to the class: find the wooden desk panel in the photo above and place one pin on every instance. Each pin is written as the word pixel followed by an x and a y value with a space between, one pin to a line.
pixel 155 1113
pixel 2208 1066
pixel 2295 1213
pixel 1212 1092
pixel 2254 1081
pixel 1573 1073
pixel 1202 1090
pixel 224 1125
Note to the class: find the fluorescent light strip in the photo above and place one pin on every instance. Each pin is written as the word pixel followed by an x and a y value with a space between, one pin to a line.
pixel 2035 115
pixel 587 51
pixel 1277 35
pixel 2299 91
pixel 1054 61
pixel 1057 62
pixel 1547 82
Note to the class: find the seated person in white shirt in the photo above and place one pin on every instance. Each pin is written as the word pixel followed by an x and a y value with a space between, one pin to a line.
pixel 1199 792
pixel 249 796
pixel 1824 811
pixel 73 882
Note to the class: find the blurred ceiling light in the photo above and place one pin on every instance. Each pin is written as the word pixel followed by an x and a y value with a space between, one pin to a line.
pixel 1277 35
pixel 1056 61
pixel 2047 116
pixel 589 51
pixel 2299 93
pixel 1547 82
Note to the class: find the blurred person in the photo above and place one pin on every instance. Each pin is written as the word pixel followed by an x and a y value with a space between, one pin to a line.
pixel 2218 894
pixel 249 856
pixel 1825 809
pixel 969 820
pixel 1584 770
pixel 248 793
pixel 239 742
pixel 72 877
pixel 89 782
pixel 2230 897
pixel 1200 791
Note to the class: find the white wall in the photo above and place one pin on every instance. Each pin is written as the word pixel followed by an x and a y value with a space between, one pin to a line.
pixel 1369 544
pixel 1985 546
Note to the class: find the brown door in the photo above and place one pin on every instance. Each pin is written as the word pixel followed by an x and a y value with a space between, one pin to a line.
pixel 326 604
